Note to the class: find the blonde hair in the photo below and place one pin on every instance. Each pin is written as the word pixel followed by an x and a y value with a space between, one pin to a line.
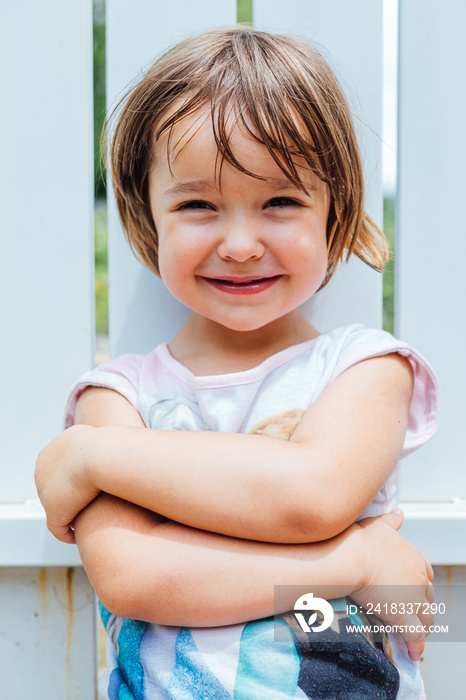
pixel 281 91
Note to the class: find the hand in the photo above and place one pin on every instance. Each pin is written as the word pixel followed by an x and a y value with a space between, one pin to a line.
pixel 398 579
pixel 61 481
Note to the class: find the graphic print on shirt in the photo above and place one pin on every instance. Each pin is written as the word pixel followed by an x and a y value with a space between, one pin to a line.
pixel 126 682
pixel 280 426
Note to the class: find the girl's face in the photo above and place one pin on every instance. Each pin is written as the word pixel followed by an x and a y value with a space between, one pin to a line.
pixel 244 255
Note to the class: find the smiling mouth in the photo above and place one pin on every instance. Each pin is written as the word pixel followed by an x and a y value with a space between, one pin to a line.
pixel 245 285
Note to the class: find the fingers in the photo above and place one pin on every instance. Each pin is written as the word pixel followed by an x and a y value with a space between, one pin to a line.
pixel 64 533
pixel 430 572
pixel 394 519
pixel 413 632
pixel 427 616
pixel 415 650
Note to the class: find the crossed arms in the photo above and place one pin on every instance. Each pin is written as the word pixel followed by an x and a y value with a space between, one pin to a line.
pixel 236 514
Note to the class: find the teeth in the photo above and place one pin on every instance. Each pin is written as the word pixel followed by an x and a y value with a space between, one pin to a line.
pixel 239 283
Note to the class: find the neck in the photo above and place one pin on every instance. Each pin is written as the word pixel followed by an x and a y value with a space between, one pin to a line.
pixel 206 347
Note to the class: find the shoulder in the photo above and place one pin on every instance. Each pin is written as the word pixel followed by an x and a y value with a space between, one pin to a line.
pixel 122 374
pixel 349 345
pixel 353 345
pixel 358 340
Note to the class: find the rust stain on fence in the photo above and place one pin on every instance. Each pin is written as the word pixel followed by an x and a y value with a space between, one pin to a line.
pixel 70 605
pixel 43 586
pixel 69 590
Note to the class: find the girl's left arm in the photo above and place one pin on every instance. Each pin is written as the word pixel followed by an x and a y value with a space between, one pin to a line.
pixel 307 489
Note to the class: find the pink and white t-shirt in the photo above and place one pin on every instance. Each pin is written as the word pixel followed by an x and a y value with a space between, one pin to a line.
pixel 240 661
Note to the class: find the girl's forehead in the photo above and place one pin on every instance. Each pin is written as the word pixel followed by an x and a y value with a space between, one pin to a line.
pixel 190 149
pixel 199 125
pixel 189 143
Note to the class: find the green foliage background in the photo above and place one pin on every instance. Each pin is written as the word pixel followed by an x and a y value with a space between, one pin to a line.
pixel 99 92
pixel 244 11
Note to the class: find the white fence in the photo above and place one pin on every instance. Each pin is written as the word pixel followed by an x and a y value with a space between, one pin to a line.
pixel 47 620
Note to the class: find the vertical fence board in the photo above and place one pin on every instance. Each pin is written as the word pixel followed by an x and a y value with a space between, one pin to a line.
pixel 350 37
pixel 46 186
pixel 141 312
pixel 431 243
pixel 47 631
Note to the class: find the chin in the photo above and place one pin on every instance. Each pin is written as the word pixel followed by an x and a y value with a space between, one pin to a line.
pixel 242 325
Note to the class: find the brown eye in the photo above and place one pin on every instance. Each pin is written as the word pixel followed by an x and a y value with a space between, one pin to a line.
pixel 195 204
pixel 282 202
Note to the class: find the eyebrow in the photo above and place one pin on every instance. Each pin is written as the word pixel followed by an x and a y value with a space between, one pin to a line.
pixel 202 186
pixel 194 187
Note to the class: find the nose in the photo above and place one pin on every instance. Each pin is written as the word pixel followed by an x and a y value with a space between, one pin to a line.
pixel 240 242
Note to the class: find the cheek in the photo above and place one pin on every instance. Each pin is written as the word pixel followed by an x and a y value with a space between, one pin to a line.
pixel 168 261
pixel 316 271
pixel 178 257
pixel 310 260
pixel 310 251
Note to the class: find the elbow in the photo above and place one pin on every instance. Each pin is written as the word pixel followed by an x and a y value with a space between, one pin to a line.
pixel 108 578
pixel 155 604
pixel 117 601
pixel 304 526
pixel 315 519
pixel 129 586
pixel 114 594
pixel 109 564
pixel 306 507
pixel 121 595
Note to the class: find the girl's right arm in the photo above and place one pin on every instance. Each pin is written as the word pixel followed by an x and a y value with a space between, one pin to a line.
pixel 171 574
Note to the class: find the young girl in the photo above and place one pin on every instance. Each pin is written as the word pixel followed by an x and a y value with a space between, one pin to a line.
pixel 238 181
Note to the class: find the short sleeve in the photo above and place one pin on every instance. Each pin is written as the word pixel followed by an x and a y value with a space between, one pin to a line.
pixel 120 374
pixel 363 344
